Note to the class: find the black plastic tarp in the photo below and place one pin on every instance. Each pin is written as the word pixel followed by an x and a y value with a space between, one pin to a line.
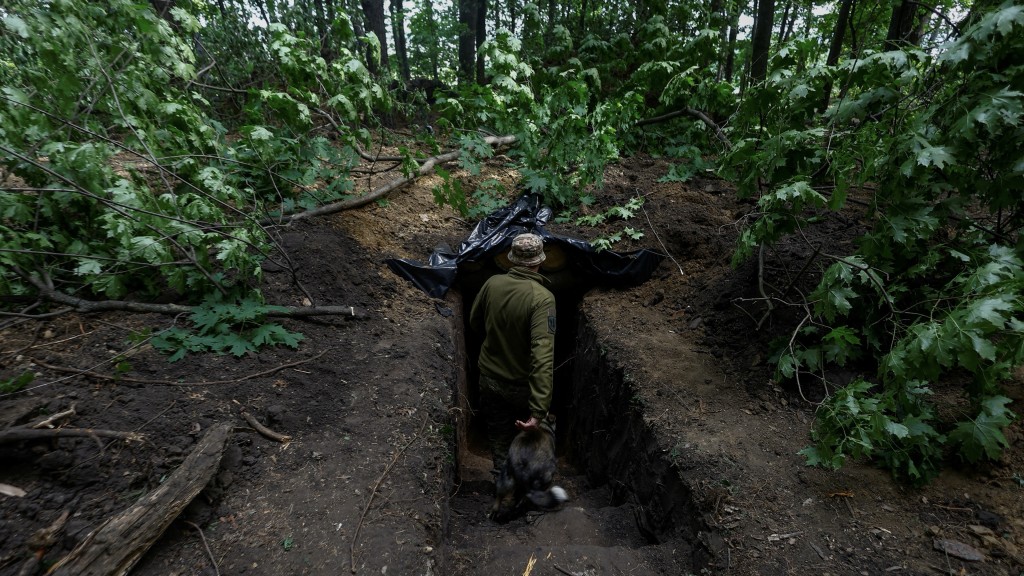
pixel 492 237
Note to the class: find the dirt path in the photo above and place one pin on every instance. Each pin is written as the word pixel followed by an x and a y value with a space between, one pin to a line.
pixel 678 450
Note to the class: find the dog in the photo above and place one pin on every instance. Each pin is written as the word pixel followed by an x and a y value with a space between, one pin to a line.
pixel 528 473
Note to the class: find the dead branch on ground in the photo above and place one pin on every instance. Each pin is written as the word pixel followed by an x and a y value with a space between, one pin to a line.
pixel 97 375
pixel 719 133
pixel 48 422
pixel 119 542
pixel 263 430
pixel 48 292
pixel 21 434
pixel 425 168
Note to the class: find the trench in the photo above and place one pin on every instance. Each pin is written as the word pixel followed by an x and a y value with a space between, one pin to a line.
pixel 629 510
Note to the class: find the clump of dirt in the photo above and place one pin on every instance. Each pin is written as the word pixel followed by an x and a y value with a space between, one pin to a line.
pixel 678 449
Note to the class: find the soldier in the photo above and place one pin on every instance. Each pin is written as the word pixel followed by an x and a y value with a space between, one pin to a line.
pixel 515 315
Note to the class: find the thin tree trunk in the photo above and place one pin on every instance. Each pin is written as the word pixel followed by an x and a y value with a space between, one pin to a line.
pixel 271 11
pixel 901 25
pixel 398 32
pixel 374 11
pixel 322 31
pixel 583 19
pixel 117 544
pixel 761 41
pixel 263 12
pixel 730 54
pixel 785 18
pixel 717 21
pixel 481 36
pixel 467 41
pixel 792 23
pixel 836 48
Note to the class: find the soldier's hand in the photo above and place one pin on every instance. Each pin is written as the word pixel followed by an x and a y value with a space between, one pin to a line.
pixel 531 424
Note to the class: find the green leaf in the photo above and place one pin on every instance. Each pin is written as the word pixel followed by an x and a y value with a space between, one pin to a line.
pixel 982 437
pixel 88 266
pixel 17 25
pixel 271 334
pixel 896 429
pixel 938 156
pixel 236 344
pixel 994 311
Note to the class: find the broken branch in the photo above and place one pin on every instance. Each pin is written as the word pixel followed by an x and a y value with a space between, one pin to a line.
pixel 48 423
pixel 21 434
pixel 48 292
pixel 425 168
pixel 267 432
pixel 719 133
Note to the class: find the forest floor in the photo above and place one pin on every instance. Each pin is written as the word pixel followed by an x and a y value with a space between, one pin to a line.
pixel 679 450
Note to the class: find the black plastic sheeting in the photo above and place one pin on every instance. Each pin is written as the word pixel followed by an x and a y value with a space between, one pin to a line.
pixel 493 236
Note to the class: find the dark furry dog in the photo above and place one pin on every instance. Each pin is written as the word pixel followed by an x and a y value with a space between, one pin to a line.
pixel 527 473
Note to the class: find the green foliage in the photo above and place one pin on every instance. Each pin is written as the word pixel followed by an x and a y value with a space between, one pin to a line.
pixel 693 163
pixel 982 436
pixel 861 422
pixel 934 291
pixel 226 326
pixel 624 212
pixel 11 385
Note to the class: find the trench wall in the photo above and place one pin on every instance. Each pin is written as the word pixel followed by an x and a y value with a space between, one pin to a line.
pixel 610 442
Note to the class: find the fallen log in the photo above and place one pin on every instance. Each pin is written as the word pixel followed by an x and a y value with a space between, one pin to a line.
pixel 117 544
pixel 425 168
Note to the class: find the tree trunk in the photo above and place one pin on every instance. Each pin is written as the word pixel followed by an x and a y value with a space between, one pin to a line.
pixel 322 30
pixel 467 41
pixel 398 32
pixel 583 20
pixel 792 23
pixel 785 17
pixel 836 48
pixel 761 41
pixel 717 20
pixel 730 50
pixel 901 25
pixel 481 37
pixel 271 11
pixel 374 11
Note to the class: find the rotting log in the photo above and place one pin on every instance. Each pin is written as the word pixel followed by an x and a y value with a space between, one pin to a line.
pixel 117 544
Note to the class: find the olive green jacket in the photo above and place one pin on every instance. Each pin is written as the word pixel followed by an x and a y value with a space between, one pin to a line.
pixel 515 314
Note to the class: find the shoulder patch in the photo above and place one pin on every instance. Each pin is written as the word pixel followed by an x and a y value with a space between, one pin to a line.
pixel 551 321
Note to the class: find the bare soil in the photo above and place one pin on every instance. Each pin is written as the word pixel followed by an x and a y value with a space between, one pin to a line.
pixel 677 447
